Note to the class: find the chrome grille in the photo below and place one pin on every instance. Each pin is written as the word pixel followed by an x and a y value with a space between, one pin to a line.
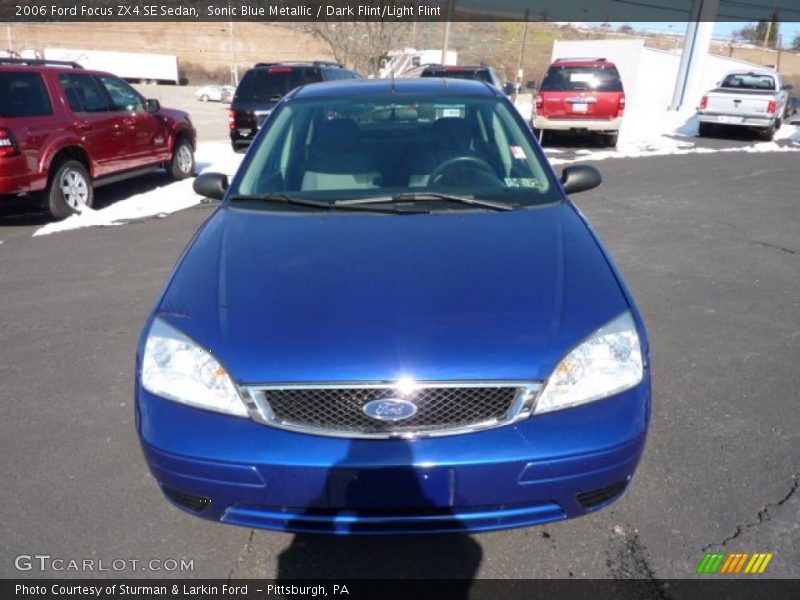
pixel 442 409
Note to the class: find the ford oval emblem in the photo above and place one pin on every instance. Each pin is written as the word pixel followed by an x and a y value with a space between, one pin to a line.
pixel 390 409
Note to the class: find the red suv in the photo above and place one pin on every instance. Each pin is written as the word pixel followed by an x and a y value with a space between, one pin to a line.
pixel 581 95
pixel 65 130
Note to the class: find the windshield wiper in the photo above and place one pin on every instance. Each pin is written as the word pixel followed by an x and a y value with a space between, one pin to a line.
pixel 282 199
pixel 320 205
pixel 426 197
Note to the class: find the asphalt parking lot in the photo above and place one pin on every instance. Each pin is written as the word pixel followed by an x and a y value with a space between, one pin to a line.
pixel 710 245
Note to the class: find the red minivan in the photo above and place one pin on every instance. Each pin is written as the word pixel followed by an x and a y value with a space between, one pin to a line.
pixel 65 131
pixel 582 95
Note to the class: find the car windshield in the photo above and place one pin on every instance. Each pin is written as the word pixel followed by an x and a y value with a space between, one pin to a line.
pixel 269 84
pixel 749 81
pixel 573 79
pixel 348 148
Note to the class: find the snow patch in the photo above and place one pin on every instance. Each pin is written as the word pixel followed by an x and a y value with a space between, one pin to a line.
pixel 159 202
pixel 672 133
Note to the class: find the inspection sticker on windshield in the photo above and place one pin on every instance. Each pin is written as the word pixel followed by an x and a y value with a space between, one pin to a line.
pixel 521 182
pixel 518 152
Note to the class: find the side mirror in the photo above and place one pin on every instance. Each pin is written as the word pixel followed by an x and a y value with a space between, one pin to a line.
pixel 579 178
pixel 211 185
pixel 152 105
pixel 509 89
pixel 788 87
pixel 531 85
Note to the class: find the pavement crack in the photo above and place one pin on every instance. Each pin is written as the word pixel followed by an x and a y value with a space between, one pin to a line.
pixel 773 246
pixel 248 547
pixel 763 515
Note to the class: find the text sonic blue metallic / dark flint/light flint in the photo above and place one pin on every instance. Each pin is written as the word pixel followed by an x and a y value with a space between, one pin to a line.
pixel 359 370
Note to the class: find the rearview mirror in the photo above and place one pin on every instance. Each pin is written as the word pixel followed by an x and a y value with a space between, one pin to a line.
pixel 531 85
pixel 152 105
pixel 579 178
pixel 211 185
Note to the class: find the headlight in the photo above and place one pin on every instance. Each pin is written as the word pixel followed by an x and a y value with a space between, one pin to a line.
pixel 608 362
pixel 176 368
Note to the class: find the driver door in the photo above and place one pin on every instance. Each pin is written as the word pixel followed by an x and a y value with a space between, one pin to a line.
pixel 145 132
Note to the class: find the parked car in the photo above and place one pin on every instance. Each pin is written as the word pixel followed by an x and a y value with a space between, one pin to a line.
pixel 394 324
pixel 580 95
pixel 756 99
pixel 793 106
pixel 483 73
pixel 65 131
pixel 215 93
pixel 227 94
pixel 263 86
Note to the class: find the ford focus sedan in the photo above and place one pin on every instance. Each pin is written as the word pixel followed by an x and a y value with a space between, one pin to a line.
pixel 395 322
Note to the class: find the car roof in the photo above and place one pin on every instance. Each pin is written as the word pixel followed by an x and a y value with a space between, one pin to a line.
pixel 4 67
pixel 756 71
pixel 411 85
pixel 582 62
pixel 458 67
pixel 319 64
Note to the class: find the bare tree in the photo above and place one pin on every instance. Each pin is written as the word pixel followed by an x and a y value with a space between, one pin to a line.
pixel 362 44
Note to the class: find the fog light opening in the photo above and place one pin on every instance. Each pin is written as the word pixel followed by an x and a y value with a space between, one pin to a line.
pixel 190 501
pixel 592 498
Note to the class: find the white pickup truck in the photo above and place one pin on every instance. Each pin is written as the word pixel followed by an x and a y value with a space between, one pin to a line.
pixel 755 99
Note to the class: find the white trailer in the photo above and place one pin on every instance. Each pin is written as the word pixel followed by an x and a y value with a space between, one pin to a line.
pixel 133 66
pixel 405 63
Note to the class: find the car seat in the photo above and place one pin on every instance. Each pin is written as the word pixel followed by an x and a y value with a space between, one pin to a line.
pixel 337 159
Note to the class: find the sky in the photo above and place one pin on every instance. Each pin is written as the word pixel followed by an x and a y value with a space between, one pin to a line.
pixel 722 30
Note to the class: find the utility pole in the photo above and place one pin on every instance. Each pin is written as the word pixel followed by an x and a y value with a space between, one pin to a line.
pixel 446 42
pixel 10 38
pixel 234 59
pixel 518 78
pixel 769 30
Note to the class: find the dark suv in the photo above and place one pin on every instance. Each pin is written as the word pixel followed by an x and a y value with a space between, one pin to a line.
pixel 483 73
pixel 263 86
pixel 65 130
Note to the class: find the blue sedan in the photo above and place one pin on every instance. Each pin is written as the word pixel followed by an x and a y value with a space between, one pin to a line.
pixel 395 322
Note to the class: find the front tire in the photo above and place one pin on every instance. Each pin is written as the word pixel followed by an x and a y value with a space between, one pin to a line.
pixel 70 190
pixel 182 163
pixel 203 98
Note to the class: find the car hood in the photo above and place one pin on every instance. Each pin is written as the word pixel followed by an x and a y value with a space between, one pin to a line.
pixel 463 295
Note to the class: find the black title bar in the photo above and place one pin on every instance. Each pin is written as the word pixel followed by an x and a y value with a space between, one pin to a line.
pixel 708 588
pixel 399 10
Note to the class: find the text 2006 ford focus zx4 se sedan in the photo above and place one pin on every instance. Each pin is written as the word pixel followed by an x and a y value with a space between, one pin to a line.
pixel 396 322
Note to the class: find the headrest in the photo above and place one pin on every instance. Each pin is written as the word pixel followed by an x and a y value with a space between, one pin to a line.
pixel 451 133
pixel 338 135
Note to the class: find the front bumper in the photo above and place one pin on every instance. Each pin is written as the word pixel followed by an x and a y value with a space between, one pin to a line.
pixel 599 125
pixel 535 471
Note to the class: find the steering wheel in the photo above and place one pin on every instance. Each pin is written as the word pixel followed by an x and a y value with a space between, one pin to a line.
pixel 458 162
